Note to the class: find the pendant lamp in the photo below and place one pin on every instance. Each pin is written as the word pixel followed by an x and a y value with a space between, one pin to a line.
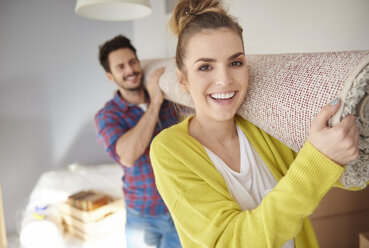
pixel 113 10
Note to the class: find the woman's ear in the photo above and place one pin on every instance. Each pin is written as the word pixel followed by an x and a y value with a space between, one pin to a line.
pixel 182 80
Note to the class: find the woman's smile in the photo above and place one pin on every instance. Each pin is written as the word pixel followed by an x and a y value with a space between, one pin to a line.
pixel 223 97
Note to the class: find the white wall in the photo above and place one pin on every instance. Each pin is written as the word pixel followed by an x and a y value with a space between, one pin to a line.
pixel 51 84
pixel 284 26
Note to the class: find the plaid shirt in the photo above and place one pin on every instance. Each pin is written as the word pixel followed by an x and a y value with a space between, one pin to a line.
pixel 112 121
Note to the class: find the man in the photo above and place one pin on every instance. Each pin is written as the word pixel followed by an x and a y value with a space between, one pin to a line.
pixel 126 125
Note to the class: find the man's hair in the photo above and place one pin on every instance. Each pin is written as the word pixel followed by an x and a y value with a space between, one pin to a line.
pixel 109 46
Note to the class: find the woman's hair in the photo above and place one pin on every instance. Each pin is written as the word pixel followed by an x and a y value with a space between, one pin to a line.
pixel 193 16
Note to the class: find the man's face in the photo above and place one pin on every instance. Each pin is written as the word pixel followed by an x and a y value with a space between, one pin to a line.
pixel 125 69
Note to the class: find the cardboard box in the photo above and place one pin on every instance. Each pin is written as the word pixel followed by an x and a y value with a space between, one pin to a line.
pixel 340 217
pixel 364 240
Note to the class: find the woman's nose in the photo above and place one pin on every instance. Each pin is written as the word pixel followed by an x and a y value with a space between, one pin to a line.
pixel 223 77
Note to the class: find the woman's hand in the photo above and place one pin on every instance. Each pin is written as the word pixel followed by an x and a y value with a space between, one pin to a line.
pixel 156 95
pixel 339 143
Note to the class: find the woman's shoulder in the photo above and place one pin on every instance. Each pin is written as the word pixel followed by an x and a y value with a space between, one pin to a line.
pixel 172 136
pixel 176 139
pixel 176 129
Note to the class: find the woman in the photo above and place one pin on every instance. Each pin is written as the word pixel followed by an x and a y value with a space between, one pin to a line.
pixel 226 182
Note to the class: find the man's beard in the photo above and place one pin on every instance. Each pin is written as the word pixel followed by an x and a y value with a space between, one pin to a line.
pixel 132 89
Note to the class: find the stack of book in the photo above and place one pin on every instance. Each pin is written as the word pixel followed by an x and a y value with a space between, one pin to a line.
pixel 92 216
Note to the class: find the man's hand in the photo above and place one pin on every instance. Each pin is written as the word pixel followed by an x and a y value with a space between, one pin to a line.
pixel 339 143
pixel 132 144
pixel 156 95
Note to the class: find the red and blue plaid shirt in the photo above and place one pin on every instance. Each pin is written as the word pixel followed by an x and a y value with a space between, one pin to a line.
pixel 112 121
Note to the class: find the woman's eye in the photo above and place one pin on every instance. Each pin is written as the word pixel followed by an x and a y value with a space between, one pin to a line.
pixel 205 68
pixel 236 63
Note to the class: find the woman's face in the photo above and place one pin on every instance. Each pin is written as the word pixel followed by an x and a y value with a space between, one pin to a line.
pixel 216 73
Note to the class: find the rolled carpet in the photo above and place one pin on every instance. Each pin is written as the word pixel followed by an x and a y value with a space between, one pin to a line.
pixel 287 91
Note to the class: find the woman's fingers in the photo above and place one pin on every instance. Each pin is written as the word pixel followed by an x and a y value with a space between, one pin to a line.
pixel 339 143
pixel 320 122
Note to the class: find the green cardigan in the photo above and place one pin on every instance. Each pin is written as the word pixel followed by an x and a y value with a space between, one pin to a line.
pixel 206 215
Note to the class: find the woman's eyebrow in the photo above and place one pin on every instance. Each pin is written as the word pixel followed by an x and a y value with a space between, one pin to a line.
pixel 236 55
pixel 204 60
pixel 213 60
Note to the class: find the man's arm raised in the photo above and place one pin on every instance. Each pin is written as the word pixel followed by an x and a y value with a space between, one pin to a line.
pixel 131 145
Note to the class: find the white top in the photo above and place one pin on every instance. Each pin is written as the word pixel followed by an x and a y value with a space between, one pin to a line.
pixel 249 186
pixel 143 106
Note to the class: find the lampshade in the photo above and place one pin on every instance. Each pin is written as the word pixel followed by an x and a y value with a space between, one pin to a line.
pixel 113 10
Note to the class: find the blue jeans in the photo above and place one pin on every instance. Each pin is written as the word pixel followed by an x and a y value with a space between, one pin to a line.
pixel 150 231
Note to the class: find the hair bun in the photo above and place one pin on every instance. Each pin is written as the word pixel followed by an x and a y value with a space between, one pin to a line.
pixel 187 10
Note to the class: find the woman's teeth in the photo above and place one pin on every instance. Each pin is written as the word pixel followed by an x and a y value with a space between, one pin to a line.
pixel 223 96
